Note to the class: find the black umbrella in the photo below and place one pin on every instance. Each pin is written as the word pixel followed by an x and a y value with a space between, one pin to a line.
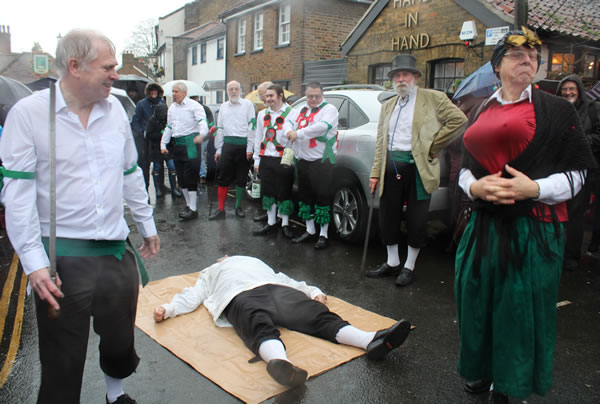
pixel 12 91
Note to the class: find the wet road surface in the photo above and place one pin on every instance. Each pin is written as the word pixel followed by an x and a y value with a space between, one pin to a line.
pixel 423 370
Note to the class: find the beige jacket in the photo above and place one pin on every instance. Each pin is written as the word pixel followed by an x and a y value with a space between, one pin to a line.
pixel 436 123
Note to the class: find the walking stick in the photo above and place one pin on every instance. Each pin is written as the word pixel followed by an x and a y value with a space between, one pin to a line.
pixel 364 255
pixel 52 312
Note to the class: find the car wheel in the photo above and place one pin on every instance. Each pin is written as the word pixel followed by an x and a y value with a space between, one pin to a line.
pixel 350 211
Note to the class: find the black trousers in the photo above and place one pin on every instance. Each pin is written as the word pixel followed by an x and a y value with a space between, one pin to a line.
pixel 395 193
pixel 276 180
pixel 188 170
pixel 576 208
pixel 233 166
pixel 100 287
pixel 255 315
pixel 314 182
pixel 141 145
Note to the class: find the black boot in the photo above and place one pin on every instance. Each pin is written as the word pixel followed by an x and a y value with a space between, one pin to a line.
pixel 175 193
pixel 161 177
pixel 156 179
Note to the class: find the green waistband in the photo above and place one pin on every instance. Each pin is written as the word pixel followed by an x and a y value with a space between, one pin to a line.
pixel 188 142
pixel 402 156
pixel 69 247
pixel 238 140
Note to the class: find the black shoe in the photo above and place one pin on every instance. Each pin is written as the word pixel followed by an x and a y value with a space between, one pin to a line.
pixel 285 373
pixel 386 340
pixel 406 277
pixel 321 243
pixel 218 215
pixel 304 237
pixel 267 228
pixel 260 218
pixel 497 398
pixel 239 212
pixel 478 386
pixel 593 247
pixel 384 270
pixel 287 232
pixel 202 180
pixel 184 211
pixel 570 264
pixel 189 215
pixel 123 399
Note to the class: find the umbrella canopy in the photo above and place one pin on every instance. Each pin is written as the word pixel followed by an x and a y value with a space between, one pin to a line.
pixel 481 83
pixel 193 89
pixel 253 96
pixel 12 91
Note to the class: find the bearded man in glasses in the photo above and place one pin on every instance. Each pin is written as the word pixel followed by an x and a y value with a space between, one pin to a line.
pixel 313 131
pixel 414 127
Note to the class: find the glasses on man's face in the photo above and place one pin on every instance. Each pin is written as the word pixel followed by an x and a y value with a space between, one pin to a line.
pixel 567 89
pixel 313 97
pixel 520 55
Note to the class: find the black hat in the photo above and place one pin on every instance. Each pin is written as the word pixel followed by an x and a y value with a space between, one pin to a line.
pixel 404 62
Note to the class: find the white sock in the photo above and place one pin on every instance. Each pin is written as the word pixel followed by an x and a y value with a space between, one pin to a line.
pixel 285 220
pixel 352 336
pixel 114 388
pixel 324 228
pixel 411 257
pixel 186 196
pixel 193 196
pixel 310 226
pixel 272 349
pixel 393 259
pixel 272 215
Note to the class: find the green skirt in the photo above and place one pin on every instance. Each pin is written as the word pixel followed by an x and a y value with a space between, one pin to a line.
pixel 507 322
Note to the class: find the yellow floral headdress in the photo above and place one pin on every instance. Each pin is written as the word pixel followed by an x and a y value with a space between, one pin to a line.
pixel 528 38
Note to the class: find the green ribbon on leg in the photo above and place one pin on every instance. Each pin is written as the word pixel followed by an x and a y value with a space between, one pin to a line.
pixel 304 211
pixel 322 215
pixel 286 207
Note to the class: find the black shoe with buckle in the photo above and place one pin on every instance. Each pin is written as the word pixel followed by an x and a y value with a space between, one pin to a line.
pixel 218 215
pixel 384 270
pixel 287 232
pixel 321 243
pixel 306 236
pixel 267 228
pixel 406 277
pixel 239 212
pixel 286 373
pixel 184 211
pixel 386 340
pixel 189 215
pixel 260 218
pixel 478 386
pixel 122 399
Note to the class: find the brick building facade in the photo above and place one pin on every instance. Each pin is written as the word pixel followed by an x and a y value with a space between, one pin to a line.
pixel 429 30
pixel 279 36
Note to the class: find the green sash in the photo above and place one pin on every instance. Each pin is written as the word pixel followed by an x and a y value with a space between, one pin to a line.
pixel 237 140
pixel 328 153
pixel 68 247
pixel 407 157
pixel 188 142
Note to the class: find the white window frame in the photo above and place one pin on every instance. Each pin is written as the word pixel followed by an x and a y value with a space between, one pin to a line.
pixel 284 24
pixel 241 36
pixel 259 19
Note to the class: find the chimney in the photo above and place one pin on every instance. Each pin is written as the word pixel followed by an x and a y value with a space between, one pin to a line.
pixel 4 39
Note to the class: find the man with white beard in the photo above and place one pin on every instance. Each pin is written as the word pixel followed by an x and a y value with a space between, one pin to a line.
pixel 414 127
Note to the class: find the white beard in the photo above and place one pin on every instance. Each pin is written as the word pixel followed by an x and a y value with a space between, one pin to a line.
pixel 234 100
pixel 404 89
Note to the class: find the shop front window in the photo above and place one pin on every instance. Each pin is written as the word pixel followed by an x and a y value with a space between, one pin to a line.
pixel 590 66
pixel 447 74
pixel 563 62
pixel 379 74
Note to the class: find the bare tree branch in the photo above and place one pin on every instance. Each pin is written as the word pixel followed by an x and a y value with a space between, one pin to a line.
pixel 142 42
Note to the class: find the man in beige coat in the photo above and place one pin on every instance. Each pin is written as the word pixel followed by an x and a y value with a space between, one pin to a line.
pixel 414 127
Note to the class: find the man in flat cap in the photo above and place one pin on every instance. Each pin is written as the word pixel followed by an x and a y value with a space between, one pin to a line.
pixel 414 127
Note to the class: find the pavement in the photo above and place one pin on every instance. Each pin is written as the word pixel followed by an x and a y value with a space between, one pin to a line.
pixel 423 370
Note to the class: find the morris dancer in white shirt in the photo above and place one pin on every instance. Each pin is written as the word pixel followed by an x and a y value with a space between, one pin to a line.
pixel 313 129
pixel 246 294
pixel 186 124
pixel 96 170
pixel 234 143
pixel 276 179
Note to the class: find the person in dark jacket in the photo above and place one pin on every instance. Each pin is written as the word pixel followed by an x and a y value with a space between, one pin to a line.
pixel 154 130
pixel 143 111
pixel 572 89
